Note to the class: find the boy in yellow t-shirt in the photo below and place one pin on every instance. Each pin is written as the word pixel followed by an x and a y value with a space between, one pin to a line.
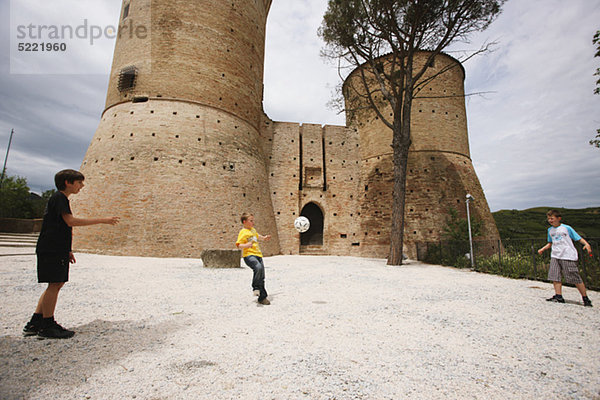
pixel 248 241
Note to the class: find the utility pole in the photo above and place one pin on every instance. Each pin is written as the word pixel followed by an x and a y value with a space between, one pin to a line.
pixel 12 131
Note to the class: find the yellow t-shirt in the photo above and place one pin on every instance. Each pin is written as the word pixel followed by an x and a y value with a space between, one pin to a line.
pixel 249 235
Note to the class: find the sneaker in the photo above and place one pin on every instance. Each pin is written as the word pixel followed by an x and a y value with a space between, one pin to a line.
pixel 587 302
pixel 32 328
pixel 264 302
pixel 256 292
pixel 556 299
pixel 55 331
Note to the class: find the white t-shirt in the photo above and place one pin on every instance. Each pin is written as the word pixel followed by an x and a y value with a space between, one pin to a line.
pixel 562 238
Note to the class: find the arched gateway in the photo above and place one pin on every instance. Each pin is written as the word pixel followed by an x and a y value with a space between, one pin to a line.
pixel 314 235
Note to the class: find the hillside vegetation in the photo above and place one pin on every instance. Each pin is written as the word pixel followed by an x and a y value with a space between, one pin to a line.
pixel 531 223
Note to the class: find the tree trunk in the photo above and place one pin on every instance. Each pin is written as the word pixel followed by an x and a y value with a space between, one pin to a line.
pixel 400 145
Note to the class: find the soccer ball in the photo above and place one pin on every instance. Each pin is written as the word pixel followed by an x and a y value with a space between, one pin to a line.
pixel 301 224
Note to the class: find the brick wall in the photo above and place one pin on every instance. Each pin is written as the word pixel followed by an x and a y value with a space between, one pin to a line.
pixel 440 172
pixel 181 167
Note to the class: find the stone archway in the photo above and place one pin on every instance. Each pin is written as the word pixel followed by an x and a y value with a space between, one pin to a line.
pixel 314 235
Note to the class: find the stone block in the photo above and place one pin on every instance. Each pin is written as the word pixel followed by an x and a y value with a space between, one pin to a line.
pixel 215 258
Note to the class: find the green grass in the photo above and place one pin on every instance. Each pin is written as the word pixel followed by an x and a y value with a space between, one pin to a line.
pixel 531 223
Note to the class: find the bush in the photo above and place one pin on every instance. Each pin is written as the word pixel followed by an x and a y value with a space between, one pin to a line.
pixel 516 258
pixel 16 201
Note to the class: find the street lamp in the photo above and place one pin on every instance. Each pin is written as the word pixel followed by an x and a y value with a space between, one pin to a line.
pixel 6 158
pixel 471 255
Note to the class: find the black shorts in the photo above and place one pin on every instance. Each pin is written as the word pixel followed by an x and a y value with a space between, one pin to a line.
pixel 52 268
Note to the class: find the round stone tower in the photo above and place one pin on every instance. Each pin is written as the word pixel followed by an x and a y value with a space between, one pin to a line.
pixel 440 170
pixel 177 153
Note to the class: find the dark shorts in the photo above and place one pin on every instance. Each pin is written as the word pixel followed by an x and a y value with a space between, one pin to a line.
pixel 52 268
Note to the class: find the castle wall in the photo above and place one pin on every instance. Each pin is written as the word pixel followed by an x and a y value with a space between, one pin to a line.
pixel 437 181
pixel 202 51
pixel 284 170
pixel 440 172
pixel 342 161
pixel 178 182
pixel 438 117
pixel 314 164
pixel 182 165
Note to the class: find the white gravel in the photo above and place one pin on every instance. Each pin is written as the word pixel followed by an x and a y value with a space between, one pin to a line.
pixel 337 328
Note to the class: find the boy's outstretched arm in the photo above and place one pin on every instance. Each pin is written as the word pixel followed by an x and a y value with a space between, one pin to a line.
pixel 73 221
pixel 546 247
pixel 586 245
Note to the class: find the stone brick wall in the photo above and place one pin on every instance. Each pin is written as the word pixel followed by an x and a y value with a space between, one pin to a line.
pixel 440 171
pixel 204 51
pixel 18 225
pixel 321 165
pixel 182 166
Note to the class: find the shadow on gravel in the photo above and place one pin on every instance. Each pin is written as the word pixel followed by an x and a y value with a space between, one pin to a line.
pixel 26 363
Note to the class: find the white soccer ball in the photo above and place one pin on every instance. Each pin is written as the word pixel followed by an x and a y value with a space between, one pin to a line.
pixel 301 224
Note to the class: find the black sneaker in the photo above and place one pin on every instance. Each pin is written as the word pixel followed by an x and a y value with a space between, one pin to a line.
pixel 556 299
pixel 587 302
pixel 32 328
pixel 55 331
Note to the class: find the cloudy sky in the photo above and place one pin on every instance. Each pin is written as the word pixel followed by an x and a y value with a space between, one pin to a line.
pixel 528 134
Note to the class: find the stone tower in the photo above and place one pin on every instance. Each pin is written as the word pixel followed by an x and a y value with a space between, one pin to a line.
pixel 440 171
pixel 177 153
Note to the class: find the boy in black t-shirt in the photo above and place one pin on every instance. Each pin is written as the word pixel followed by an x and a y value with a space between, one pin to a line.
pixel 54 253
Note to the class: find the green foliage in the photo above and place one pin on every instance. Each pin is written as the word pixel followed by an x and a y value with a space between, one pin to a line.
pixel 516 258
pixel 457 228
pixel 14 198
pixel 16 201
pixel 513 265
pixel 456 231
pixel 596 141
pixel 531 223
pixel 448 253
pixel 454 246
pixel 39 203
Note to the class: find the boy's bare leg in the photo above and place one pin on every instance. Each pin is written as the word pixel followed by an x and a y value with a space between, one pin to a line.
pixel 557 287
pixel 581 288
pixel 47 303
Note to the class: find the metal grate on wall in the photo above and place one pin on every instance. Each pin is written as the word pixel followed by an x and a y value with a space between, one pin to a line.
pixel 127 78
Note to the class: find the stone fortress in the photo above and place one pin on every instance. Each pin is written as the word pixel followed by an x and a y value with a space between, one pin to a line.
pixel 184 147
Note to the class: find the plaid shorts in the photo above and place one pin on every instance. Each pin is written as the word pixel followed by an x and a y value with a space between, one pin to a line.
pixel 567 268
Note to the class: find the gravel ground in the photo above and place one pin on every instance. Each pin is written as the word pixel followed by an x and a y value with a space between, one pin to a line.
pixel 337 328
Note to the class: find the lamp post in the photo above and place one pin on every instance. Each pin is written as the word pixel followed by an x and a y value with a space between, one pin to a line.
pixel 471 255
pixel 6 158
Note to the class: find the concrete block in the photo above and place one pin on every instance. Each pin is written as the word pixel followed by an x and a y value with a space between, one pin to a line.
pixel 215 258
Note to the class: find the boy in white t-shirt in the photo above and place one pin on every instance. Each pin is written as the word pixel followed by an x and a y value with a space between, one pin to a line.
pixel 563 259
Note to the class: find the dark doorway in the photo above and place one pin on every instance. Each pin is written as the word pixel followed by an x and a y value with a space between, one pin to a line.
pixel 314 235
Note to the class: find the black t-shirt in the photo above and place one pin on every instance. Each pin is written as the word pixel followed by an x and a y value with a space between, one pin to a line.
pixel 56 236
